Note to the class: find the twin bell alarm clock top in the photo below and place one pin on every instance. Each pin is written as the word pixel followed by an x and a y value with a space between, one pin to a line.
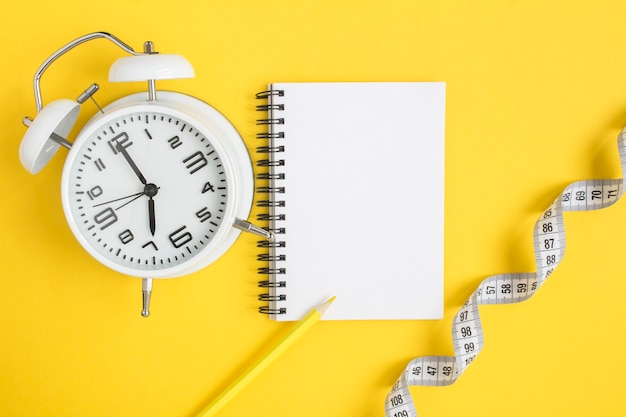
pixel 157 184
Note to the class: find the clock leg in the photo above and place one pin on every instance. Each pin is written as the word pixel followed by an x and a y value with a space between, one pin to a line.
pixel 246 226
pixel 146 289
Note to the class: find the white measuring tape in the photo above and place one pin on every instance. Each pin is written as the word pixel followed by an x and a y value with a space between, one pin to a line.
pixel 467 332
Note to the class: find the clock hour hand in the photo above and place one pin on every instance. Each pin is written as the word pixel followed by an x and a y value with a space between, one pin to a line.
pixel 151 216
pixel 120 148
pixel 151 190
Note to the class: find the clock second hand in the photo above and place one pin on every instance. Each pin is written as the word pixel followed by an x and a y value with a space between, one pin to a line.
pixel 128 202
pixel 136 195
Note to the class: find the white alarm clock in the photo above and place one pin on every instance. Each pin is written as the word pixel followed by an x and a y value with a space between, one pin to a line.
pixel 157 184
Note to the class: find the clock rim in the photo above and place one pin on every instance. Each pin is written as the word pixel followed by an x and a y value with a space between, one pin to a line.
pixel 232 151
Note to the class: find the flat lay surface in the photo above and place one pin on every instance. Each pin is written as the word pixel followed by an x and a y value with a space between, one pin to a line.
pixel 535 99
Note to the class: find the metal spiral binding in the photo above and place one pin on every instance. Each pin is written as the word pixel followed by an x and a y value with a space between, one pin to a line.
pixel 272 284
pixel 265 257
pixel 269 298
pixel 269 93
pixel 267 176
pixel 271 217
pixel 273 262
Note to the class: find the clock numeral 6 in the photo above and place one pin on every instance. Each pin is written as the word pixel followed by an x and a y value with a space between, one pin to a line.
pixel 122 139
pixel 105 218
pixel 180 237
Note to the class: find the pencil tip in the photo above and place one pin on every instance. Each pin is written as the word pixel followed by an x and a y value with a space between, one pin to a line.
pixel 322 309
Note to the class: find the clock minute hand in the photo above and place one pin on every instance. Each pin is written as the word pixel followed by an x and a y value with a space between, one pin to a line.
pixel 120 147
pixel 149 190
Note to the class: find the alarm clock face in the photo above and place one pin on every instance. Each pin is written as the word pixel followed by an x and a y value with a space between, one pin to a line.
pixel 147 190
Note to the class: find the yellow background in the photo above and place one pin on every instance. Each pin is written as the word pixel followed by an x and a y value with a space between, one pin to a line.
pixel 536 95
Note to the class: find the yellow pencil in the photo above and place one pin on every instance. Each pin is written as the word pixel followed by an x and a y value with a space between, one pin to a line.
pixel 298 330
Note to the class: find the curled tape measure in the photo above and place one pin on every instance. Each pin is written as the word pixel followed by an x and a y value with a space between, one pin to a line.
pixel 467 332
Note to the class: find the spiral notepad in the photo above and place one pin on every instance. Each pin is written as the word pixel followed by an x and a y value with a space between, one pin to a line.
pixel 352 181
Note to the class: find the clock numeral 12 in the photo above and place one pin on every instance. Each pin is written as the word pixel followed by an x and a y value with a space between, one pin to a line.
pixel 180 237
pixel 122 139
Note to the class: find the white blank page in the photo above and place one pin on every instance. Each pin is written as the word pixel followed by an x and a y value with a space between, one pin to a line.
pixel 364 188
